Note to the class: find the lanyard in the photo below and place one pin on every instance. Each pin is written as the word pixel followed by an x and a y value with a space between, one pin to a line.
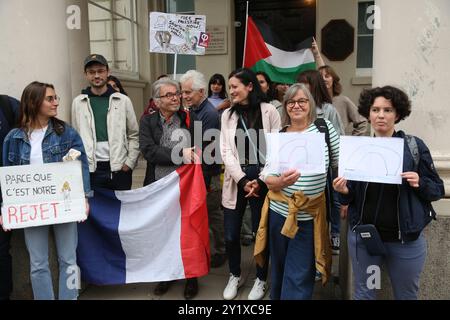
pixel 251 141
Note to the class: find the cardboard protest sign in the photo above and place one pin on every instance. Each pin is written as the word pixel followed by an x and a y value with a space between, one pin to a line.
pixel 36 195
pixel 177 33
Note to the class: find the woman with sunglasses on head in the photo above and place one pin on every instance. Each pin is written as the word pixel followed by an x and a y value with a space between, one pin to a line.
pixel 399 213
pixel 242 147
pixel 298 239
pixel 43 138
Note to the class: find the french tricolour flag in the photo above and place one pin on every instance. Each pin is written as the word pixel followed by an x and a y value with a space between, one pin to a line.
pixel 156 233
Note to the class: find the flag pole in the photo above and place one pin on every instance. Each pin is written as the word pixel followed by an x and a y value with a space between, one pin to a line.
pixel 245 37
pixel 175 66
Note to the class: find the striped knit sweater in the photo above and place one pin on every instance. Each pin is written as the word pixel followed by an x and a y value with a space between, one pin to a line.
pixel 311 185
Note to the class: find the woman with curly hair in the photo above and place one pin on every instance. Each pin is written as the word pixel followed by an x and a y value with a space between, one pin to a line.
pixel 398 212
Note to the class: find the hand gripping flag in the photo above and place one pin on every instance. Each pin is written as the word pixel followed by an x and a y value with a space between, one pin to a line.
pixel 156 233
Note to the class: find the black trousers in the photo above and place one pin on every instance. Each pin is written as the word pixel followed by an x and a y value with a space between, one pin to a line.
pixel 5 265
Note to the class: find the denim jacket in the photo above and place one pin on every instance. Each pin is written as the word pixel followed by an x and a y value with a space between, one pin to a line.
pixel 17 148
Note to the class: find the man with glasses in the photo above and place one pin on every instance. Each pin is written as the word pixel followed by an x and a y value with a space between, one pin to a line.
pixel 106 122
pixel 159 135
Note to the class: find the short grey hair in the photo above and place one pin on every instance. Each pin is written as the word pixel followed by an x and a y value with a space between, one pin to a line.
pixel 198 80
pixel 157 85
pixel 290 94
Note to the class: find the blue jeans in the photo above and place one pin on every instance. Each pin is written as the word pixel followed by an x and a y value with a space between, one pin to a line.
pixel 233 225
pixel 293 260
pixel 66 239
pixel 404 263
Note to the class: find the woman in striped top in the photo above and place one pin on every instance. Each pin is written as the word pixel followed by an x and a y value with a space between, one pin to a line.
pixel 296 255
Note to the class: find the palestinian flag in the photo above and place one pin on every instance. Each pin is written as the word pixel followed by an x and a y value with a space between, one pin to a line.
pixel 266 51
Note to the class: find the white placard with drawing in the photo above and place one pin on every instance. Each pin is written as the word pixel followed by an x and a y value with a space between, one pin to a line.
pixel 290 150
pixel 178 33
pixel 371 159
pixel 37 195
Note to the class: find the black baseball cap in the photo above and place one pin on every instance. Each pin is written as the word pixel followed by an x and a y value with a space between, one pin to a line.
pixel 95 58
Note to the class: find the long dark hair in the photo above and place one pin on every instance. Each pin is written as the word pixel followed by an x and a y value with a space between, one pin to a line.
pixel 218 79
pixel 270 94
pixel 32 98
pixel 255 97
pixel 317 86
pixel 118 84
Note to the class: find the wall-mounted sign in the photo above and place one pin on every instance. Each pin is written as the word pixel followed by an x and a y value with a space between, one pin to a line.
pixel 218 40
pixel 37 195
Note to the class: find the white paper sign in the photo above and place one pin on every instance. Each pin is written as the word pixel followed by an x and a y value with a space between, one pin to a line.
pixel 37 195
pixel 175 33
pixel 371 159
pixel 290 150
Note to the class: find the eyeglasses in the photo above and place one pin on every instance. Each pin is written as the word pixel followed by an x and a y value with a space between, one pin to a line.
pixel 300 102
pixel 94 72
pixel 52 99
pixel 170 95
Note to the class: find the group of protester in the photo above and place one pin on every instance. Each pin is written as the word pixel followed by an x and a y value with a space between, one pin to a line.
pixel 290 212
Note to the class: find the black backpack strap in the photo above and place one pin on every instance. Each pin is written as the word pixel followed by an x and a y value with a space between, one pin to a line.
pixel 322 127
pixel 414 149
pixel 6 107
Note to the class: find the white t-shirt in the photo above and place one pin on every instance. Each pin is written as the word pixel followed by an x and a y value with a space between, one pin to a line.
pixel 36 138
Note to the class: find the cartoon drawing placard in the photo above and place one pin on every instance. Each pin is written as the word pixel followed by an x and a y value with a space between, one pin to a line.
pixel 37 195
pixel 371 159
pixel 291 150
pixel 177 33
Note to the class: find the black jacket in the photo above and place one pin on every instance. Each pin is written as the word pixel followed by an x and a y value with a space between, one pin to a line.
pixel 150 134
pixel 414 204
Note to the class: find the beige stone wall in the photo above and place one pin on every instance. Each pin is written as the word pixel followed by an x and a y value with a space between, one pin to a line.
pixel 37 45
pixel 218 13
pixel 327 10
pixel 411 50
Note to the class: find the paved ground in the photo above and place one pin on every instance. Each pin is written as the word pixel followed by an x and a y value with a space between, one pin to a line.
pixel 210 287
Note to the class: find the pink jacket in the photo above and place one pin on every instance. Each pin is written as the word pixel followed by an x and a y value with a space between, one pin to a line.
pixel 233 172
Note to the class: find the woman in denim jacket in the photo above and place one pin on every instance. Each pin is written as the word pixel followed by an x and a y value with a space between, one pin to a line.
pixel 42 138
